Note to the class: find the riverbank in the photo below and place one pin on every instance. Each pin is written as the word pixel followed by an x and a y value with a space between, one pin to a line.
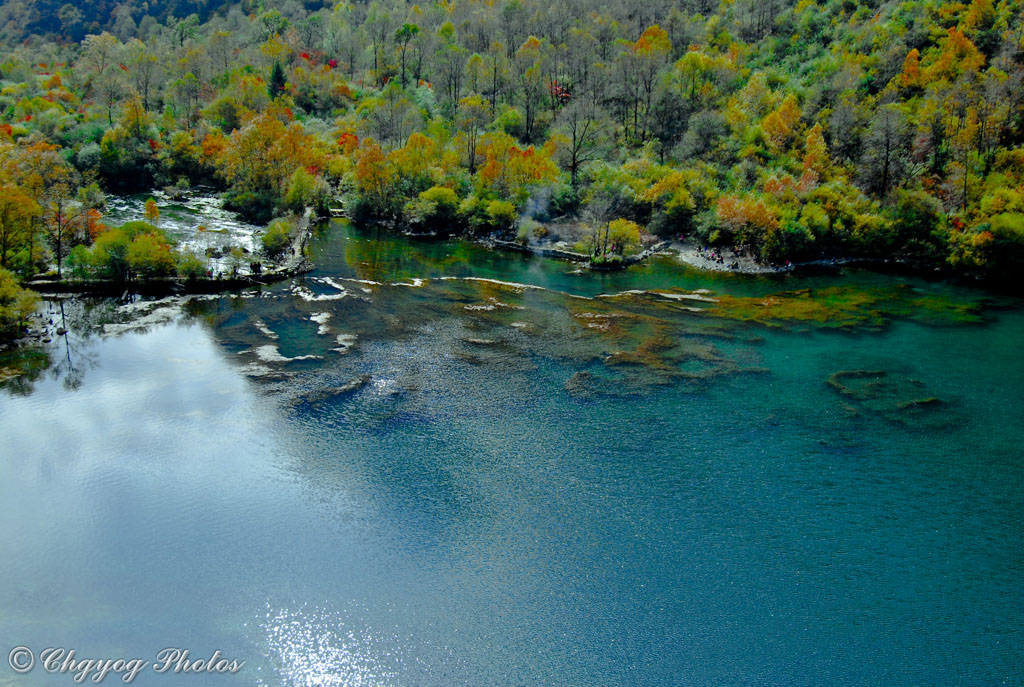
pixel 549 251
pixel 295 263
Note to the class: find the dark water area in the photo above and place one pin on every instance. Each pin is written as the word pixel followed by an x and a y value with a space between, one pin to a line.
pixel 426 463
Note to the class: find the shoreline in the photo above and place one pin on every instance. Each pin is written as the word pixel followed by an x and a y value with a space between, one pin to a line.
pixel 295 264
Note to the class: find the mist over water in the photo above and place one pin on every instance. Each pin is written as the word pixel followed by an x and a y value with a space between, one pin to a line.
pixel 430 464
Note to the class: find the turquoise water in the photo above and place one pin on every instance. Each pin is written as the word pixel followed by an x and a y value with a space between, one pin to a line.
pixel 643 478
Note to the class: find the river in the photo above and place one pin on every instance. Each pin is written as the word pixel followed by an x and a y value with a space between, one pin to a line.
pixel 426 463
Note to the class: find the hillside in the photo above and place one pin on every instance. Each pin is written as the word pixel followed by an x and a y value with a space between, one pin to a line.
pixel 797 130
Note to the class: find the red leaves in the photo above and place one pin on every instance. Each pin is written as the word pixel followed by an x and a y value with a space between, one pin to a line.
pixel 559 92
pixel 348 142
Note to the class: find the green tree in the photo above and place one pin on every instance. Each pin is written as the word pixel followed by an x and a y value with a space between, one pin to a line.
pixel 277 83
pixel 403 37
pixel 16 305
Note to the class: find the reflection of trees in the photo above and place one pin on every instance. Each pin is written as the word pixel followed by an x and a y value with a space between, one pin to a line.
pixel 373 258
pixel 375 255
pixel 68 357
pixel 215 311
pixel 74 356
pixel 28 365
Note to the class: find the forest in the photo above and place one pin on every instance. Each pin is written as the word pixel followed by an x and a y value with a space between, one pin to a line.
pixel 798 130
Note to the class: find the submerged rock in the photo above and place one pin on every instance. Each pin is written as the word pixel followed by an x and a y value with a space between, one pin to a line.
pixel 326 393
pixel 896 398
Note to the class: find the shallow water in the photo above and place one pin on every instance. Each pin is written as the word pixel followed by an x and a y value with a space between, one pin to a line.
pixel 494 471
pixel 195 221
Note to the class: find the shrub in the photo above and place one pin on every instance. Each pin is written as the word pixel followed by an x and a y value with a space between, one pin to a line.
pixel 438 208
pixel 276 238
pixel 529 228
pixel 149 256
pixel 473 211
pixel 109 258
pixel 502 214
pixel 78 264
pixel 565 200
pixel 191 266
pixel 88 157
pixel 257 208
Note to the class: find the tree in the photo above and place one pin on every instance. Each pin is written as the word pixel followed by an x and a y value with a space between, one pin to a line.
pixel 183 29
pixel 17 212
pixel 513 22
pixel 378 26
pixel 623 235
pixel 16 305
pixel 529 63
pixel 449 59
pixel 277 83
pixel 375 176
pixel 650 53
pixel 101 57
pixel 63 218
pixel 885 160
pixel 149 256
pixel 262 155
pixel 403 37
pixel 669 118
pixel 581 125
pixel 152 212
pixel 70 21
pixel 270 24
pixel 144 70
pixel 602 205
pixel 185 94
pixel 276 238
pixel 472 117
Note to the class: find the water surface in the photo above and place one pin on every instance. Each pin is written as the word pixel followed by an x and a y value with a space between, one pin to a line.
pixel 430 464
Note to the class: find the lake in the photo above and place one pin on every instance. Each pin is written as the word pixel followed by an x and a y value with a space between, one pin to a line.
pixel 426 463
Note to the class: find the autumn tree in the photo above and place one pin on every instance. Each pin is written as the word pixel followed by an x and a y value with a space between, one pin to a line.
pixel 649 53
pixel 152 212
pixel 530 68
pixel 375 176
pixel 17 212
pixel 473 116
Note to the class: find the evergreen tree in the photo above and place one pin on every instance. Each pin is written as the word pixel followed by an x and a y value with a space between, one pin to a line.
pixel 277 80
